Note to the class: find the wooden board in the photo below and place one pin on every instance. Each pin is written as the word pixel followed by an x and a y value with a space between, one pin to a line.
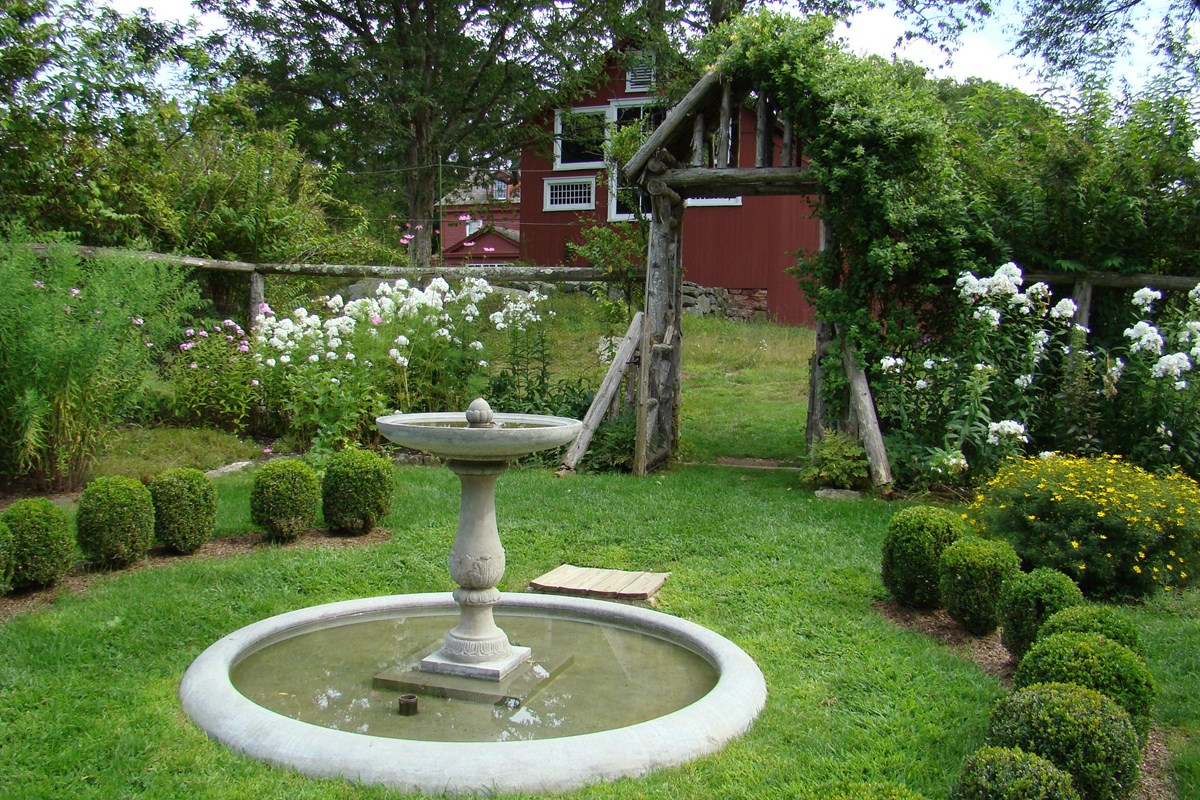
pixel 594 582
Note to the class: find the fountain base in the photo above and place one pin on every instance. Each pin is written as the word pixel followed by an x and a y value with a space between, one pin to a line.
pixel 515 689
pixel 494 670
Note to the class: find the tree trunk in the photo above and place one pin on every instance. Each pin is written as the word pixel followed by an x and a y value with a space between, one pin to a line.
pixel 421 186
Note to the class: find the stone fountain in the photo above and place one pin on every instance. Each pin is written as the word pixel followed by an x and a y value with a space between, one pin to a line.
pixel 520 718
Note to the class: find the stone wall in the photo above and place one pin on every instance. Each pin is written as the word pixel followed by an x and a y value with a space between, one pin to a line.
pixel 743 304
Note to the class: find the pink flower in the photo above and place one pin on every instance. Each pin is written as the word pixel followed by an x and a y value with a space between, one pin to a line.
pixel 243 348
pixel 376 320
pixel 186 346
pixel 74 292
pixel 192 365
pixel 203 334
pixel 229 338
pixel 267 451
pixel 265 309
pixel 189 332
pixel 254 381
pixel 468 244
pixel 489 249
pixel 149 344
pixel 39 285
pixel 137 321
pixel 464 217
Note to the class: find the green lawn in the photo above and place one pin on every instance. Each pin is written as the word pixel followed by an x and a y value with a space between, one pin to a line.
pixel 88 705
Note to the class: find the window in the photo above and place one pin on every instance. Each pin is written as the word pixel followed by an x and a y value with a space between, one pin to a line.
pixel 622 200
pixel 569 194
pixel 474 226
pixel 639 76
pixel 499 189
pixel 579 138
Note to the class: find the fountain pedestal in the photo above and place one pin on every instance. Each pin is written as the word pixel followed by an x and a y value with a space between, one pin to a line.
pixel 478 453
pixel 476 647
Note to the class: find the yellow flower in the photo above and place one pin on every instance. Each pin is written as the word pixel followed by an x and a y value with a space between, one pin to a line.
pixel 1082 567
pixel 1099 513
pixel 1137 569
pixel 1075 544
pixel 1032 517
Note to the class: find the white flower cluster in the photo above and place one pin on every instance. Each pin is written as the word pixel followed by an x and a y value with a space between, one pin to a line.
pixel 1064 309
pixel 1145 298
pixel 951 463
pixel 891 364
pixel 1006 429
pixel 1006 282
pixel 1144 336
pixel 519 312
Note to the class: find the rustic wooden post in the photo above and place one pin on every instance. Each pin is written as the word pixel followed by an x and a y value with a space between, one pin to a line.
pixel 724 143
pixel 1083 303
pixel 257 296
pixel 659 389
pixel 764 134
pixel 868 423
pixel 698 131
pixel 785 155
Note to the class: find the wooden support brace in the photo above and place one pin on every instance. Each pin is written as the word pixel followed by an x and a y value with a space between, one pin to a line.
pixel 868 422
pixel 605 394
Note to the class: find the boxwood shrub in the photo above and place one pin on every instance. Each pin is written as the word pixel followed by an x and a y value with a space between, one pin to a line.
pixel 356 491
pixel 1009 773
pixel 185 508
pixel 6 558
pixel 1097 662
pixel 1078 730
pixel 1030 599
pixel 43 547
pixel 970 574
pixel 1094 619
pixel 912 548
pixel 285 497
pixel 114 521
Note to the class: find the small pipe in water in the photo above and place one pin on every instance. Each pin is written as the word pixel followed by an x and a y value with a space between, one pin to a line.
pixel 407 707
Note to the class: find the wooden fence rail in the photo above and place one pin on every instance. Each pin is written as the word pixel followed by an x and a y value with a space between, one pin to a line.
pixel 493 273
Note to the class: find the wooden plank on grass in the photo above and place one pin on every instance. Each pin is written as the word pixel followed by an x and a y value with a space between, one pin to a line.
pixel 596 582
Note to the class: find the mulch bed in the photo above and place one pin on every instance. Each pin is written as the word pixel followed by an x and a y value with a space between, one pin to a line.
pixel 990 656
pixel 80 578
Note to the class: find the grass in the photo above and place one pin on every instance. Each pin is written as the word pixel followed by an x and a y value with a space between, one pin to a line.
pixel 142 453
pixel 88 705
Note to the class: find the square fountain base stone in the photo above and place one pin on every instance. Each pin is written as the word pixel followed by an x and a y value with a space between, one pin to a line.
pixel 487 670
pixel 515 689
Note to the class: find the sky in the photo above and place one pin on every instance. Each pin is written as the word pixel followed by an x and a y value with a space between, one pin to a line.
pixel 982 54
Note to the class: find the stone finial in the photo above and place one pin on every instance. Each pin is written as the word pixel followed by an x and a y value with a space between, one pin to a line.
pixel 479 414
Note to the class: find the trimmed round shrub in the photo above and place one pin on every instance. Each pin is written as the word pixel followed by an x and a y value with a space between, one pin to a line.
pixel 1028 600
pixel 970 574
pixel 285 497
pixel 43 548
pixel 1115 528
pixel 357 491
pixel 114 521
pixel 1009 773
pixel 862 791
pixel 1097 662
pixel 1094 619
pixel 185 508
pixel 1078 730
pixel 912 548
pixel 6 558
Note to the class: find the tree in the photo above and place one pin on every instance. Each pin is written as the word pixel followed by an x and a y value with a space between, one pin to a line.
pixel 413 97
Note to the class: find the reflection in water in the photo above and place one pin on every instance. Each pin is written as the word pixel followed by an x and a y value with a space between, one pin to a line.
pixel 618 678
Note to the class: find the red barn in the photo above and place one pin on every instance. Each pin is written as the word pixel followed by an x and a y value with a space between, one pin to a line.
pixel 482 224
pixel 744 245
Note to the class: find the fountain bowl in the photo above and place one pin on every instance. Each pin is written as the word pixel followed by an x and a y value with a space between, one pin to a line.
pixel 541 765
pixel 447 435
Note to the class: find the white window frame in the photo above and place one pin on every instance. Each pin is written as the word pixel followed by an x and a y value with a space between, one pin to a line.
pixel 641 78
pixel 608 113
pixel 581 179
pixel 474 226
pixel 499 189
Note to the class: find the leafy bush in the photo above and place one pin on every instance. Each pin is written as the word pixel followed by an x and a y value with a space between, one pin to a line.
pixel 78 340
pixel 43 548
pixel 1078 730
pixel 1113 527
pixel 185 508
pixel 1009 773
pixel 114 521
pixel 611 448
pixel 856 790
pixel 912 548
pixel 356 491
pixel 1094 661
pixel 1093 619
pixel 838 461
pixel 1028 600
pixel 214 379
pixel 285 497
pixel 970 574
pixel 6 558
